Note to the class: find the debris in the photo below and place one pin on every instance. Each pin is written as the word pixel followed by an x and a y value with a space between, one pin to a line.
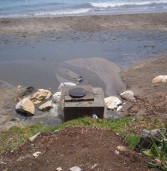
pixel 34 137
pixel 75 168
pixel 66 84
pixel 36 154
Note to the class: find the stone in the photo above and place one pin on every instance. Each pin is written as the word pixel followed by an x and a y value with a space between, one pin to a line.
pixel 26 107
pixel 128 95
pixel 46 106
pixel 66 84
pixel 34 137
pixel 24 92
pixel 56 97
pixel 36 154
pixel 152 133
pixel 117 152
pixel 75 168
pixel 59 169
pixel 112 102
pixel 121 148
pixel 160 79
pixel 146 139
pixel 40 95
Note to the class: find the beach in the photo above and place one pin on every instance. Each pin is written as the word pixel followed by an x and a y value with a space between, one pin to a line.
pixel 45 51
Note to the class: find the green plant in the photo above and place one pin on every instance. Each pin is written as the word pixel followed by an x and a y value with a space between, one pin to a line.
pixel 158 151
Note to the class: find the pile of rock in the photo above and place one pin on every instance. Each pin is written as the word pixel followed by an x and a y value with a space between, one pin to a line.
pixel 116 104
pixel 29 99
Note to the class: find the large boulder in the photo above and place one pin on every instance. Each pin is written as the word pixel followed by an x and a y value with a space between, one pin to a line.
pixel 128 95
pixel 160 79
pixel 66 84
pixel 40 96
pixel 112 102
pixel 46 106
pixel 26 107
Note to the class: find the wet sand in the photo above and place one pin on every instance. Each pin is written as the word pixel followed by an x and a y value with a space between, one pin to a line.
pixel 42 52
pixel 33 50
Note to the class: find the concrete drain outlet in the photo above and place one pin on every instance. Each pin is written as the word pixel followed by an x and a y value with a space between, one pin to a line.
pixel 81 101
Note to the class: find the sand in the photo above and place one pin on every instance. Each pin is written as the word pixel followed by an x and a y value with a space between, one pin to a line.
pixel 155 21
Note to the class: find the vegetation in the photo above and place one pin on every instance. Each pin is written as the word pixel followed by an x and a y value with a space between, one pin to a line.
pixel 125 126
pixel 158 151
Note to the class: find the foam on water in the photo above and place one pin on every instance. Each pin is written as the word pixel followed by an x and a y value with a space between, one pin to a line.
pixel 24 8
pixel 62 12
pixel 123 3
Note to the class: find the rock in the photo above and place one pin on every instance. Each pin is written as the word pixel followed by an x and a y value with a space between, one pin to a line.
pixel 34 137
pixel 24 92
pixel 152 134
pixel 119 108
pixel 95 116
pixel 40 95
pixel 75 168
pixel 56 97
pixel 160 79
pixel 117 152
pixel 121 148
pixel 25 106
pixel 36 154
pixel 46 106
pixel 146 139
pixel 59 169
pixel 128 95
pixel 66 84
pixel 112 102
pixel 134 109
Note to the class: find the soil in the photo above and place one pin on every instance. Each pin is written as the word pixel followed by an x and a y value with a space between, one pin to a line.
pixel 86 147
pixel 151 98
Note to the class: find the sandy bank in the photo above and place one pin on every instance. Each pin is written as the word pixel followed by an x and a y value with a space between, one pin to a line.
pixel 155 21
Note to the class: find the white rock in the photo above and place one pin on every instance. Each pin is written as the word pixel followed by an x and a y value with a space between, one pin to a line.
pixel 34 137
pixel 75 168
pixel 119 108
pixel 46 106
pixel 160 79
pixel 25 106
pixel 66 84
pixel 128 95
pixel 36 154
pixel 121 148
pixel 40 95
pixel 112 102
pixel 117 152
pixel 95 116
pixel 56 97
pixel 59 169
